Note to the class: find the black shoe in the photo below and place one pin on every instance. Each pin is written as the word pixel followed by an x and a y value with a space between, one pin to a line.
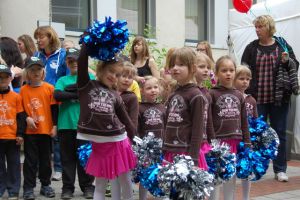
pixel 67 194
pixel 28 195
pixel 47 191
pixel 89 193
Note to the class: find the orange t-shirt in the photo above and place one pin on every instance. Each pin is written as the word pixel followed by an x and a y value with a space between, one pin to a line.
pixel 10 105
pixel 37 103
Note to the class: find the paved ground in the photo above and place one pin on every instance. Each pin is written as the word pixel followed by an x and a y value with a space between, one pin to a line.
pixel 265 189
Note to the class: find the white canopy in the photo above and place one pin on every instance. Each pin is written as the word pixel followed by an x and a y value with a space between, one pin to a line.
pixel 286 14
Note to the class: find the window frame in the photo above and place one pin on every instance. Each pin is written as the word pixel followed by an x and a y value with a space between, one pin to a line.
pixel 91 12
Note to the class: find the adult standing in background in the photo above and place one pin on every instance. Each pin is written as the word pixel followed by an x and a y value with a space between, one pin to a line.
pixel 26 45
pixel 204 47
pixel 141 59
pixel 274 68
pixel 54 58
pixel 12 56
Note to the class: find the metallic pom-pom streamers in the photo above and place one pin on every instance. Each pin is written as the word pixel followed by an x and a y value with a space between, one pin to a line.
pixel 184 179
pixel 84 152
pixel 148 179
pixel 148 151
pixel 270 143
pixel 253 164
pixel 221 162
pixel 104 39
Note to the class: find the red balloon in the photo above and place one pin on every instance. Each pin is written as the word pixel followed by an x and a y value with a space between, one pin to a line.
pixel 242 6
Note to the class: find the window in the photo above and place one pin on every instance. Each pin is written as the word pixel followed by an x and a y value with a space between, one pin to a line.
pixel 137 13
pixel 196 20
pixel 74 13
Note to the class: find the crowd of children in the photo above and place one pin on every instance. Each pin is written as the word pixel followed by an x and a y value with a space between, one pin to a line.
pixel 61 99
pixel 93 110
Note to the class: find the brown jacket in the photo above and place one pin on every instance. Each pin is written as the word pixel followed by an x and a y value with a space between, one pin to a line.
pixel 151 119
pixel 102 112
pixel 229 114
pixel 251 106
pixel 185 122
pixel 209 132
pixel 132 106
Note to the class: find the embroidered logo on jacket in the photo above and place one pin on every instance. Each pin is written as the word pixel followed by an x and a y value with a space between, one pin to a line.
pixel 176 106
pixel 101 100
pixel 153 116
pixel 249 109
pixel 229 105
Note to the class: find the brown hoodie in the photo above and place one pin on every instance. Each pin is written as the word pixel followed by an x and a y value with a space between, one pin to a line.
pixel 229 114
pixel 185 122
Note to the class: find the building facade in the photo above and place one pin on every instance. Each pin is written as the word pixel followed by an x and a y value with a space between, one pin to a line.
pixel 176 22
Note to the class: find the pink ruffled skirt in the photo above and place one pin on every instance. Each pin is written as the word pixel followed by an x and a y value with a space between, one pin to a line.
pixel 205 147
pixel 233 143
pixel 109 160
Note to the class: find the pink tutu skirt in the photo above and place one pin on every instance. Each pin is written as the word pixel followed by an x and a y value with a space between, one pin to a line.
pixel 205 147
pixel 109 160
pixel 233 143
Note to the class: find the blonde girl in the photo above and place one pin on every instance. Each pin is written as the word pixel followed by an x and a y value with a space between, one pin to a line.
pixel 105 122
pixel 242 80
pixel 185 124
pixel 229 115
pixel 151 115
pixel 203 66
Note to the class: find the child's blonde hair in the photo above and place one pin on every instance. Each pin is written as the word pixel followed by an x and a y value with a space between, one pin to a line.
pixel 220 62
pixel 25 76
pixel 202 56
pixel 147 78
pixel 129 69
pixel 102 65
pixel 168 58
pixel 242 70
pixel 187 56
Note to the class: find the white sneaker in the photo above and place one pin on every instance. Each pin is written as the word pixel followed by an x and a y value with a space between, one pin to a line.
pixel 57 176
pixel 281 177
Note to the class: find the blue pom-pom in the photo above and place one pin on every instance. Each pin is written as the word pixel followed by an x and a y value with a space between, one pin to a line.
pixel 105 39
pixel 84 152
pixel 149 181
pixel 220 161
pixel 250 165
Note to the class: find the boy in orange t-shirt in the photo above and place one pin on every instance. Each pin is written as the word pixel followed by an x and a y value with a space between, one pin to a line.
pixel 12 127
pixel 41 109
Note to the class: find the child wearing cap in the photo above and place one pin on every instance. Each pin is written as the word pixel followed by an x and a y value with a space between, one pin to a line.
pixel 12 126
pixel 69 109
pixel 41 109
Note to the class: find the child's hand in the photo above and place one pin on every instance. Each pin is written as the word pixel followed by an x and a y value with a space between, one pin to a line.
pixel 19 140
pixel 53 132
pixel 284 57
pixel 30 123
